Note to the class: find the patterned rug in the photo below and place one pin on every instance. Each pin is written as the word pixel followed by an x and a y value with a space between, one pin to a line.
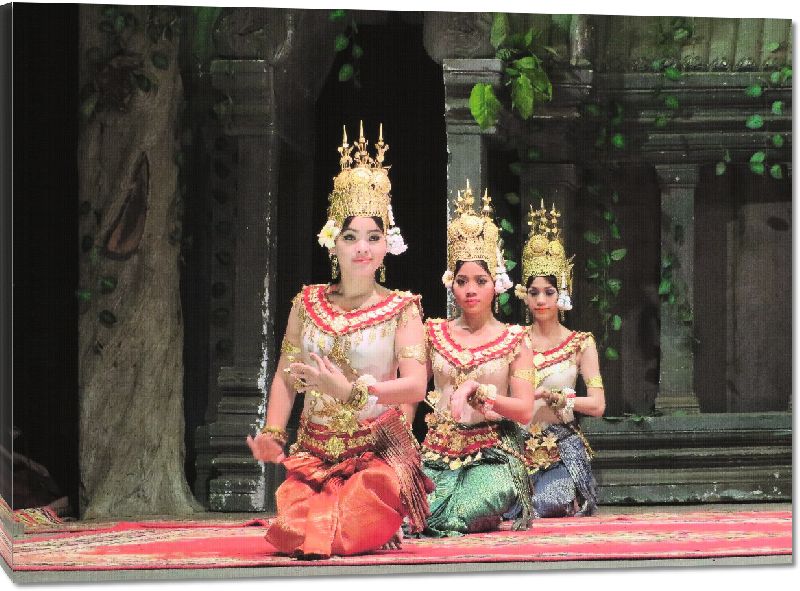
pixel 174 545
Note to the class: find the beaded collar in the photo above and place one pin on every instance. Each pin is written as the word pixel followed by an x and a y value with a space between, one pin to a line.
pixel 316 305
pixel 576 341
pixel 468 358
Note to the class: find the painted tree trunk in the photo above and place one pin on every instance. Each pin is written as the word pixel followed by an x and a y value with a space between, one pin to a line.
pixel 130 327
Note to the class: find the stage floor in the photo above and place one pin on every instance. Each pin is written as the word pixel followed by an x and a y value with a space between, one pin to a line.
pixel 231 545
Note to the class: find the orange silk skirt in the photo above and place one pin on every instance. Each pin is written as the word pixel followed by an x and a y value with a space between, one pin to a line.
pixel 327 509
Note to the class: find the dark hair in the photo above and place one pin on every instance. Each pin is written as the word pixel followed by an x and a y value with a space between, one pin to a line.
pixel 483 265
pixel 345 226
pixel 348 220
pixel 551 279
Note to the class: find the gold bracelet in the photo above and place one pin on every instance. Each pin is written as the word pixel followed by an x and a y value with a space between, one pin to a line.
pixel 529 375
pixel 289 349
pixel 277 433
pixel 359 394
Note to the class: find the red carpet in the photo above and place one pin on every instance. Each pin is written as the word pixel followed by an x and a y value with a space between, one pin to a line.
pixel 227 544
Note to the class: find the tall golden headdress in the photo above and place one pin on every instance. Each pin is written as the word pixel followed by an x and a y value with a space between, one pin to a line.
pixel 543 253
pixel 362 189
pixel 475 237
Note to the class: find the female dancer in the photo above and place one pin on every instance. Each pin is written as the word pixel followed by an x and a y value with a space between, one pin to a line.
pixel 471 451
pixel 355 472
pixel 557 453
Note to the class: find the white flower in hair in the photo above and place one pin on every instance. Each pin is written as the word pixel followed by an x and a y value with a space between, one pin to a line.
pixel 394 241
pixel 502 283
pixel 520 291
pixel 391 216
pixel 447 279
pixel 328 234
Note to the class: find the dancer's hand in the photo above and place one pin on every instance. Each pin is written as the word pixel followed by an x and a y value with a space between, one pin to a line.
pixel 459 397
pixel 542 392
pixel 323 377
pixel 266 449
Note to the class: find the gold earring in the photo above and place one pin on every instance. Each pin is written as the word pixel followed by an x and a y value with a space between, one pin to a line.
pixel 382 276
pixel 496 305
pixel 334 266
pixel 527 315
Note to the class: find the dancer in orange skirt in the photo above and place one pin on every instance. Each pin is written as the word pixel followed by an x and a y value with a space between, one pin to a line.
pixel 356 351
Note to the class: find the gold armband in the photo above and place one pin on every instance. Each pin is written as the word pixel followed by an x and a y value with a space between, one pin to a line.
pixel 289 349
pixel 276 433
pixel 529 375
pixel 413 352
pixel 595 382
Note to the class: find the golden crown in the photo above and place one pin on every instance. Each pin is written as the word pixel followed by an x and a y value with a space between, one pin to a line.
pixel 544 254
pixel 362 188
pixel 473 237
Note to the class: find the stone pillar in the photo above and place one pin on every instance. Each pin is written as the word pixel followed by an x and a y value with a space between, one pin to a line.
pixel 238 482
pixel 676 383
pixel 467 154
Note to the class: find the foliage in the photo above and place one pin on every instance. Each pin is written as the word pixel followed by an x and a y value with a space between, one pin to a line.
pixel 523 72
pixel 344 40
pixel 600 267
pixel 117 73
pixel 758 163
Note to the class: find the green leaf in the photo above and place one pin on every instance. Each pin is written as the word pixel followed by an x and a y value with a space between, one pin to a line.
pixel 726 156
pixel 83 294
pixel 483 105
pixel 346 72
pixel 605 259
pixel 680 35
pixel 686 316
pixel 771 47
pixel 507 309
pixel 522 96
pixel 592 110
pixel 720 170
pixel 671 298
pixel 108 283
pixel 611 354
pixel 673 73
pixel 608 216
pixel 506 225
pixel 754 90
pixel 591 237
pixel 107 318
pixel 595 188
pixel 594 275
pixel 665 287
pixel 614 231
pixel 94 254
pixel 618 254
pixel 499 29
pixel 786 73
pixel 658 64
pixel 757 168
pixel 356 51
pixel 777 108
pixel 160 60
pixel 776 171
pixel 340 42
pixel 88 105
pixel 618 140
pixel 591 264
pixel 777 141
pixel 671 102
pixel 510 265
pixel 758 157
pixel 614 285
pixel 503 298
pixel 336 14
pixel 755 122
pixel 616 322
pixel 661 120
pixel 512 198
pixel 667 260
pixel 516 169
pixel 533 154
pixel 615 197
